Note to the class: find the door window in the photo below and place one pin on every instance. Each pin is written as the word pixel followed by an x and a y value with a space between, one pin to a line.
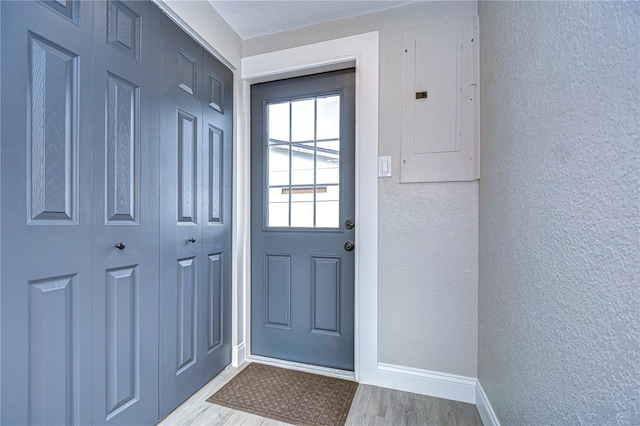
pixel 303 163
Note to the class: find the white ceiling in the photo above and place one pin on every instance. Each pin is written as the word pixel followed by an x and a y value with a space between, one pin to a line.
pixel 250 18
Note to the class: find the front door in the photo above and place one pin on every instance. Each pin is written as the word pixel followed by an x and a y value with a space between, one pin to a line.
pixel 303 188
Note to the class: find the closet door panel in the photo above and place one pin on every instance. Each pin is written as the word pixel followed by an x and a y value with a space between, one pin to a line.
pixel 217 126
pixel 125 213
pixel 46 202
pixel 182 264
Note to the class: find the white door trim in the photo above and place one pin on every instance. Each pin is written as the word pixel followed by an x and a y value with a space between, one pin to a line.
pixel 362 51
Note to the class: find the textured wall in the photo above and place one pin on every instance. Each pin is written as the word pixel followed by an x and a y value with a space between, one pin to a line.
pixel 559 288
pixel 427 306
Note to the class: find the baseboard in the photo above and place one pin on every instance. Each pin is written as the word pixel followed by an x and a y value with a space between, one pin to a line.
pixel 307 368
pixel 425 382
pixel 238 354
pixel 485 409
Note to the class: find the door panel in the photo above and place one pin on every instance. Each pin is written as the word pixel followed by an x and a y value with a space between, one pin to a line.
pixel 277 291
pixel 215 307
pixel 52 345
pixel 187 313
pixel 217 149
pixel 195 297
pixel 180 230
pixel 122 147
pixel 187 168
pixel 46 200
pixel 125 210
pixel 302 294
pixel 122 342
pixel 325 295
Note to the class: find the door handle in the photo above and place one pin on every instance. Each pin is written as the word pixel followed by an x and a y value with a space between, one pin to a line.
pixel 349 246
pixel 192 240
pixel 120 245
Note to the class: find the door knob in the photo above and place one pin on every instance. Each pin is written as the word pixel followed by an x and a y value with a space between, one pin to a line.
pixel 349 246
pixel 192 240
pixel 349 224
pixel 120 245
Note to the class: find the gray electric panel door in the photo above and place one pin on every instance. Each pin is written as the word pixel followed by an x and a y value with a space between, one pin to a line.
pixel 125 212
pixel 302 231
pixel 195 218
pixel 46 212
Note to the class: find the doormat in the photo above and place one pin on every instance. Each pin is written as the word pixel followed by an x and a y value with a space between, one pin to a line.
pixel 288 396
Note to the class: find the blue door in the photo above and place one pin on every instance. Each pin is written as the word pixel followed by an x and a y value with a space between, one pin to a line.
pixel 302 229
pixel 124 231
pixel 46 212
pixel 195 217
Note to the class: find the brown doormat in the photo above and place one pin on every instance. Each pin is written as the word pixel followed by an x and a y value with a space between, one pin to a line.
pixel 287 395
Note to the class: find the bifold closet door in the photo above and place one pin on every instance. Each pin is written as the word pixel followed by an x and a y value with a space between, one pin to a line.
pixel 116 149
pixel 46 212
pixel 195 218
pixel 217 160
pixel 125 212
pixel 79 176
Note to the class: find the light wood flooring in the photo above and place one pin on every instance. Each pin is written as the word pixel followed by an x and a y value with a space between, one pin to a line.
pixel 371 406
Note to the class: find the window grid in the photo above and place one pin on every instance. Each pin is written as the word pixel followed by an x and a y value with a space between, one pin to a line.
pixel 302 145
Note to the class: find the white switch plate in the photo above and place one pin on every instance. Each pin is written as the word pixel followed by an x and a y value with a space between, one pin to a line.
pixel 384 166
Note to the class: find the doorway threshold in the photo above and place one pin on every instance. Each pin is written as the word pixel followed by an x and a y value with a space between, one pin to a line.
pixel 307 368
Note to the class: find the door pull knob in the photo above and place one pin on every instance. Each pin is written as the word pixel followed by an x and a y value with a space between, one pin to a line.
pixel 120 245
pixel 349 246
pixel 192 240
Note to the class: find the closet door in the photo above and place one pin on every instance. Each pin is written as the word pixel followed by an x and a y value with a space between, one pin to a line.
pixel 217 130
pixel 181 217
pixel 125 213
pixel 195 218
pixel 46 212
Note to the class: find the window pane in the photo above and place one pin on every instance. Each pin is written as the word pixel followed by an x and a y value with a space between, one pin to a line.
pixel 302 164
pixel 278 165
pixel 301 213
pixel 328 162
pixel 302 116
pixel 329 117
pixel 278 207
pixel 279 121
pixel 328 206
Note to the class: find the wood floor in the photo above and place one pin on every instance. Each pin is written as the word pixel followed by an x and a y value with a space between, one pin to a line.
pixel 371 406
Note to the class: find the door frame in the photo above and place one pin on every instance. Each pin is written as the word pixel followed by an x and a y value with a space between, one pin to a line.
pixel 360 51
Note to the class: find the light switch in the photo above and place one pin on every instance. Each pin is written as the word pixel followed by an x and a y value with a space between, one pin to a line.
pixel 384 166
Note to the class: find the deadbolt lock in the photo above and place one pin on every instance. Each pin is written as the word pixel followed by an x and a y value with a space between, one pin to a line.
pixel 349 224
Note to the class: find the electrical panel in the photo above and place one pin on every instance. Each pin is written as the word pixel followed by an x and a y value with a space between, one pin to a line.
pixel 440 131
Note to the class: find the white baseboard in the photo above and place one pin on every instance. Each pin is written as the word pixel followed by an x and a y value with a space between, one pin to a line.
pixel 425 382
pixel 485 409
pixel 307 368
pixel 238 354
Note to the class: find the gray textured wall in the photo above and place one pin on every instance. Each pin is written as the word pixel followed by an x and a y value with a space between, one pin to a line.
pixel 428 233
pixel 559 288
